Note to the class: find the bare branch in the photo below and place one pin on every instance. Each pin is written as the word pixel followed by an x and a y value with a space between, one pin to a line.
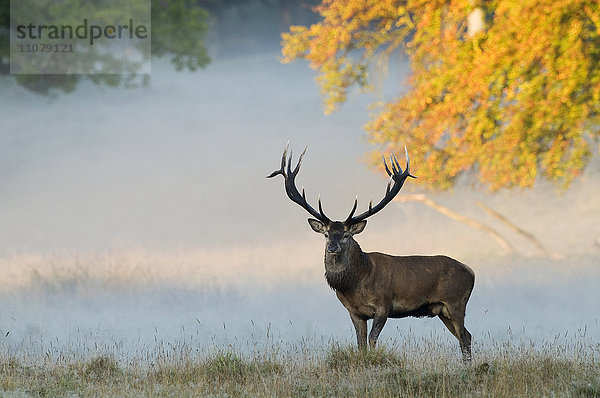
pixel 514 228
pixel 457 217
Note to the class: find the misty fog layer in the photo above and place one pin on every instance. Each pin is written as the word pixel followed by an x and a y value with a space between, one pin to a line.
pixel 130 302
pixel 138 217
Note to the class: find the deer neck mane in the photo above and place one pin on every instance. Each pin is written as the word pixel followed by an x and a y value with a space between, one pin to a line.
pixel 343 271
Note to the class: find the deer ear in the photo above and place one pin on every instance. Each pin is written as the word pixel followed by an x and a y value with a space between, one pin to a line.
pixel 317 225
pixel 357 228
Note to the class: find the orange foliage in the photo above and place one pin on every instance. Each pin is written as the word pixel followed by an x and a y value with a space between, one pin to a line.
pixel 517 100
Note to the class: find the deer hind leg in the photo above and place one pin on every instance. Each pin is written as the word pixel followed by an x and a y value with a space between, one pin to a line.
pixel 464 337
pixel 378 324
pixel 455 322
pixel 449 325
pixel 466 344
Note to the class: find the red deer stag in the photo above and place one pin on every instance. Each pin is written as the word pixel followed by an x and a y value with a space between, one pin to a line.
pixel 379 286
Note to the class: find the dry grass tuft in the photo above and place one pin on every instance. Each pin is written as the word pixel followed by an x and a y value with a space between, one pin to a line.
pixel 101 368
pixel 351 357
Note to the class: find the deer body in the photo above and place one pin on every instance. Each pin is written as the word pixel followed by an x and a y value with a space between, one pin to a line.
pixel 395 286
pixel 379 286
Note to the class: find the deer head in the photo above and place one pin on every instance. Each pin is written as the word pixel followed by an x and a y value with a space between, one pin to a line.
pixel 338 234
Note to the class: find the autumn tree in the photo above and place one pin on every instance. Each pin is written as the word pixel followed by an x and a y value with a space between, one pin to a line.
pixel 507 102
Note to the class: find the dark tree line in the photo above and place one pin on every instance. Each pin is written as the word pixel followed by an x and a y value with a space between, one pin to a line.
pixel 180 30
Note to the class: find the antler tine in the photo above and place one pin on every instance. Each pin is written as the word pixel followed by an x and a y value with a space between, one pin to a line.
pixel 386 166
pixel 289 165
pixel 299 161
pixel 285 151
pixel 283 160
pixel 394 168
pixel 407 170
pixel 321 209
pixel 397 163
pixel 353 208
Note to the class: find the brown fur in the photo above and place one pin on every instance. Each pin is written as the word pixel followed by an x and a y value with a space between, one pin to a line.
pixel 379 286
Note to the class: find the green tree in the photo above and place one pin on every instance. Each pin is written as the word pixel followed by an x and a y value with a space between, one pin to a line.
pixel 513 101
pixel 179 28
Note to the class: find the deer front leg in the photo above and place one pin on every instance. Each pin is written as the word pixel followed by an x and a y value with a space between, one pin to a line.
pixel 378 324
pixel 360 325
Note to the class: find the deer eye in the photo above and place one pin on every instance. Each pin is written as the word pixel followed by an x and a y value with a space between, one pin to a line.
pixel 326 234
pixel 346 235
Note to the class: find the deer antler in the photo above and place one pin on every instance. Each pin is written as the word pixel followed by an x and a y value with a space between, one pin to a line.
pixel 290 186
pixel 397 176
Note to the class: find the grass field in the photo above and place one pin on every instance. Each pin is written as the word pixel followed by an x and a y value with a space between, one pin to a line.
pixel 417 369
pixel 143 324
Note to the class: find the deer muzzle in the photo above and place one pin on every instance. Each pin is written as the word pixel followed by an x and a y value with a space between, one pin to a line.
pixel 333 248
